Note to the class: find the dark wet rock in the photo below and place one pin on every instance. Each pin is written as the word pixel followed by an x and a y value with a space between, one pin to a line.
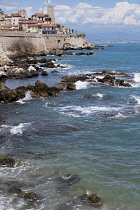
pixel 108 77
pixel 108 72
pixel 15 189
pixel 6 161
pixel 43 60
pixel 7 95
pixel 81 53
pixel 88 95
pixel 60 66
pixel 55 72
pixel 39 69
pixel 2 119
pixel 44 73
pixel 30 196
pixel 39 89
pixel 68 53
pixel 75 78
pixel 61 86
pixel 92 199
pixel 33 61
pixel 71 86
pixel 48 64
pixel 14 184
pixel 69 179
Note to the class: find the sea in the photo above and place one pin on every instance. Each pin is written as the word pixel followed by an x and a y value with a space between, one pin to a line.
pixel 96 140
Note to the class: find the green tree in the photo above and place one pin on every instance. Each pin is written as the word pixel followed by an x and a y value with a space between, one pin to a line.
pixel 1 11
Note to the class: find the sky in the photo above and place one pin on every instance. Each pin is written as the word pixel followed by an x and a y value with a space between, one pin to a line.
pixel 105 19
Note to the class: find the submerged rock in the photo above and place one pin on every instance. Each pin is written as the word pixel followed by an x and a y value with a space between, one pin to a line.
pixel 30 196
pixel 92 199
pixel 44 73
pixel 15 189
pixel 6 161
pixel 69 179
pixel 88 95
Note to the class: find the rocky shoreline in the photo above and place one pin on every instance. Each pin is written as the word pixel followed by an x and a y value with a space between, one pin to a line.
pixel 26 68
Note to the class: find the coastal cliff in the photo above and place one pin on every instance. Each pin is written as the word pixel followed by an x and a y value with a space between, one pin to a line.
pixel 16 44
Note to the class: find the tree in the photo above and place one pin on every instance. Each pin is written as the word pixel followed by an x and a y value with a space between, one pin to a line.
pixel 1 12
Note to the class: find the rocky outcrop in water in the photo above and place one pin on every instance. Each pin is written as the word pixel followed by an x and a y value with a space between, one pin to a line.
pixel 6 161
pixel 38 90
pixel 92 200
pixel 106 77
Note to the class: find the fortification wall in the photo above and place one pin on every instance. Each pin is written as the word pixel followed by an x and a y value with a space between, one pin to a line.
pixel 19 43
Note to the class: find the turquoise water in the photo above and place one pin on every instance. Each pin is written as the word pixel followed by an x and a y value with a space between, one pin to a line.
pixel 96 138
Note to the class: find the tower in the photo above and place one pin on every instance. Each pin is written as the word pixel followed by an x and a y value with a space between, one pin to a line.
pixel 50 12
pixel 23 13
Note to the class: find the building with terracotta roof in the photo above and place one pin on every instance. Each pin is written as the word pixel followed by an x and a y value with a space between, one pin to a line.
pixel 48 28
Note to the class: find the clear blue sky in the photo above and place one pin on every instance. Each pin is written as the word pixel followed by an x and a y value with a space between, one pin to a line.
pixel 94 17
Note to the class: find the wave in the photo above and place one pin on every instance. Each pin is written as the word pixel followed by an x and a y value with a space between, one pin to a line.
pixel 26 98
pixel 81 85
pixel 99 95
pixel 137 77
pixel 16 129
pixel 69 110
pixel 137 99
pixel 136 82
pixel 118 116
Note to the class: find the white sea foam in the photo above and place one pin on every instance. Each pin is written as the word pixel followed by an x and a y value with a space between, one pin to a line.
pixel 16 129
pixel 19 128
pixel 81 85
pixel 86 110
pixel 137 77
pixel 26 98
pixel 137 99
pixel 136 80
pixel 119 116
pixel 99 95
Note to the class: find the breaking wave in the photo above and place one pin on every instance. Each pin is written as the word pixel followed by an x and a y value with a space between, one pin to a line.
pixel 26 98
pixel 16 129
pixel 81 85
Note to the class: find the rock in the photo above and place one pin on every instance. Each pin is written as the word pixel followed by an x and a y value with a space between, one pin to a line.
pixel 39 89
pixel 48 64
pixel 30 196
pixel 81 53
pixel 92 199
pixel 6 161
pixel 71 86
pixel 60 66
pixel 43 60
pixel 55 72
pixel 61 86
pixel 108 72
pixel 108 77
pixel 44 73
pixel 39 69
pixel 75 78
pixel 88 95
pixel 8 95
pixel 15 189
pixel 2 119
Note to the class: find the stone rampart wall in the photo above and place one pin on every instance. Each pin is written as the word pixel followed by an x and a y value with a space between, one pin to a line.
pixel 14 43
